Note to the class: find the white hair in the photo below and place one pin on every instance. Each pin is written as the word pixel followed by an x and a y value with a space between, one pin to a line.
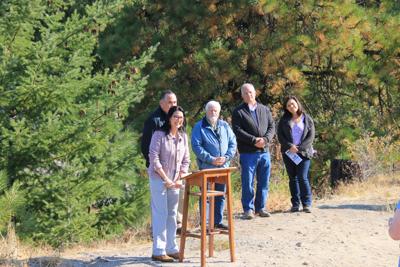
pixel 249 85
pixel 212 103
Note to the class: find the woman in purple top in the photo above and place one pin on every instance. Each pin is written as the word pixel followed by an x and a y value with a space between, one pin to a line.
pixel 296 134
pixel 169 161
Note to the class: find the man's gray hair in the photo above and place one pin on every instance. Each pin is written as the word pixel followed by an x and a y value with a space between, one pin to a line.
pixel 212 103
pixel 246 85
pixel 165 93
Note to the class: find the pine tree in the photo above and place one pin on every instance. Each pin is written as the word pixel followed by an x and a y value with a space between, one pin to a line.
pixel 340 57
pixel 61 121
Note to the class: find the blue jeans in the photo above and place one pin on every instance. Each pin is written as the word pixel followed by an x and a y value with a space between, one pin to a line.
pixel 299 183
pixel 219 205
pixel 258 163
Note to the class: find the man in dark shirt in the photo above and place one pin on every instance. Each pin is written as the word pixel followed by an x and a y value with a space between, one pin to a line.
pixel 156 121
pixel 254 128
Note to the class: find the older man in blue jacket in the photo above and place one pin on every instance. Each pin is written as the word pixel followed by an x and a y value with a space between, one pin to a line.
pixel 214 144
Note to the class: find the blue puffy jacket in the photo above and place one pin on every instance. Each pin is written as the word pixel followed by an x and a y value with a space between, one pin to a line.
pixel 208 144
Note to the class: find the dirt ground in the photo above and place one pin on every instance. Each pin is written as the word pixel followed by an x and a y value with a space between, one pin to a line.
pixel 338 232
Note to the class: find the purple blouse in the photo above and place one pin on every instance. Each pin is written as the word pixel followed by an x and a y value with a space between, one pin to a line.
pixel 169 153
pixel 297 130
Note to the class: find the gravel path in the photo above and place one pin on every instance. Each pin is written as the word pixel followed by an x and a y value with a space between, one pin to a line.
pixel 337 233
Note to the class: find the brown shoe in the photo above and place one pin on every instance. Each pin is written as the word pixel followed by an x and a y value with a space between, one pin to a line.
pixel 174 255
pixel 162 258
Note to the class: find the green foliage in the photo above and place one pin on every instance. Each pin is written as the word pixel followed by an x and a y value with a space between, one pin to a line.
pixel 340 57
pixel 62 137
pixel 128 210
pixel 12 202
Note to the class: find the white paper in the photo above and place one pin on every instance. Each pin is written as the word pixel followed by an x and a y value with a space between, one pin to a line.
pixel 294 157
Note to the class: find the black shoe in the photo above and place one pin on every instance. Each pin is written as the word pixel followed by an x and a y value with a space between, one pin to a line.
pixel 307 209
pixel 295 209
pixel 221 226
pixel 179 230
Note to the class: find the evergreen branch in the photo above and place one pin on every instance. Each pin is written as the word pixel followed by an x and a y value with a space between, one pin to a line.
pixel 82 27
pixel 371 52
pixel 76 32
pixel 112 108
pixel 318 73
pixel 13 38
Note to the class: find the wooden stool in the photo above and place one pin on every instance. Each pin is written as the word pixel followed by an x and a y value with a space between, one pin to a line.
pixel 201 179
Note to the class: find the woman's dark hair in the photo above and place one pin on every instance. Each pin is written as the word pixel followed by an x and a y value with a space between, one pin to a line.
pixel 300 107
pixel 171 112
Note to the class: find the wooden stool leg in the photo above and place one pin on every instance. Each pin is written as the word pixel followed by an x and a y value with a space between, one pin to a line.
pixel 203 221
pixel 184 221
pixel 211 222
pixel 230 219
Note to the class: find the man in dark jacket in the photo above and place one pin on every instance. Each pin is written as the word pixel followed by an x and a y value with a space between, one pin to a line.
pixel 253 126
pixel 156 121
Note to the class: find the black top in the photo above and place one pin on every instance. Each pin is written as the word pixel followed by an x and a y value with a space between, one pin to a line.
pixel 247 130
pixel 153 123
pixel 286 140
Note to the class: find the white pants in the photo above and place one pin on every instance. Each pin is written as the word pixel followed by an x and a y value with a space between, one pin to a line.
pixel 164 205
pixel 179 217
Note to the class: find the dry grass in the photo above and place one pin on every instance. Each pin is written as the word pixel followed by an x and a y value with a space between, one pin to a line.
pixel 14 253
pixel 383 187
pixel 9 246
pixel 18 254
pixel 278 201
pixel 279 195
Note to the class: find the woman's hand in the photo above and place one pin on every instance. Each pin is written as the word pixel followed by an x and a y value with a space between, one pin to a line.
pixel 179 184
pixel 293 149
pixel 168 183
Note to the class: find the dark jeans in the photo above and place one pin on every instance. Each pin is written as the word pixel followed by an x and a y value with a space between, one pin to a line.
pixel 299 183
pixel 219 205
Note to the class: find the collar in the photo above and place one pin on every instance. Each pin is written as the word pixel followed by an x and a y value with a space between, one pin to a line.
pixel 252 107
pixel 170 136
pixel 161 111
pixel 205 123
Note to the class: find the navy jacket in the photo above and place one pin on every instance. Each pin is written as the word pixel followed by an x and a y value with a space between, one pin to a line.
pixel 208 144
pixel 153 123
pixel 307 139
pixel 247 130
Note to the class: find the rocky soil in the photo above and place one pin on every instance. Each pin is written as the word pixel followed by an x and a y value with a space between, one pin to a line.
pixel 338 232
